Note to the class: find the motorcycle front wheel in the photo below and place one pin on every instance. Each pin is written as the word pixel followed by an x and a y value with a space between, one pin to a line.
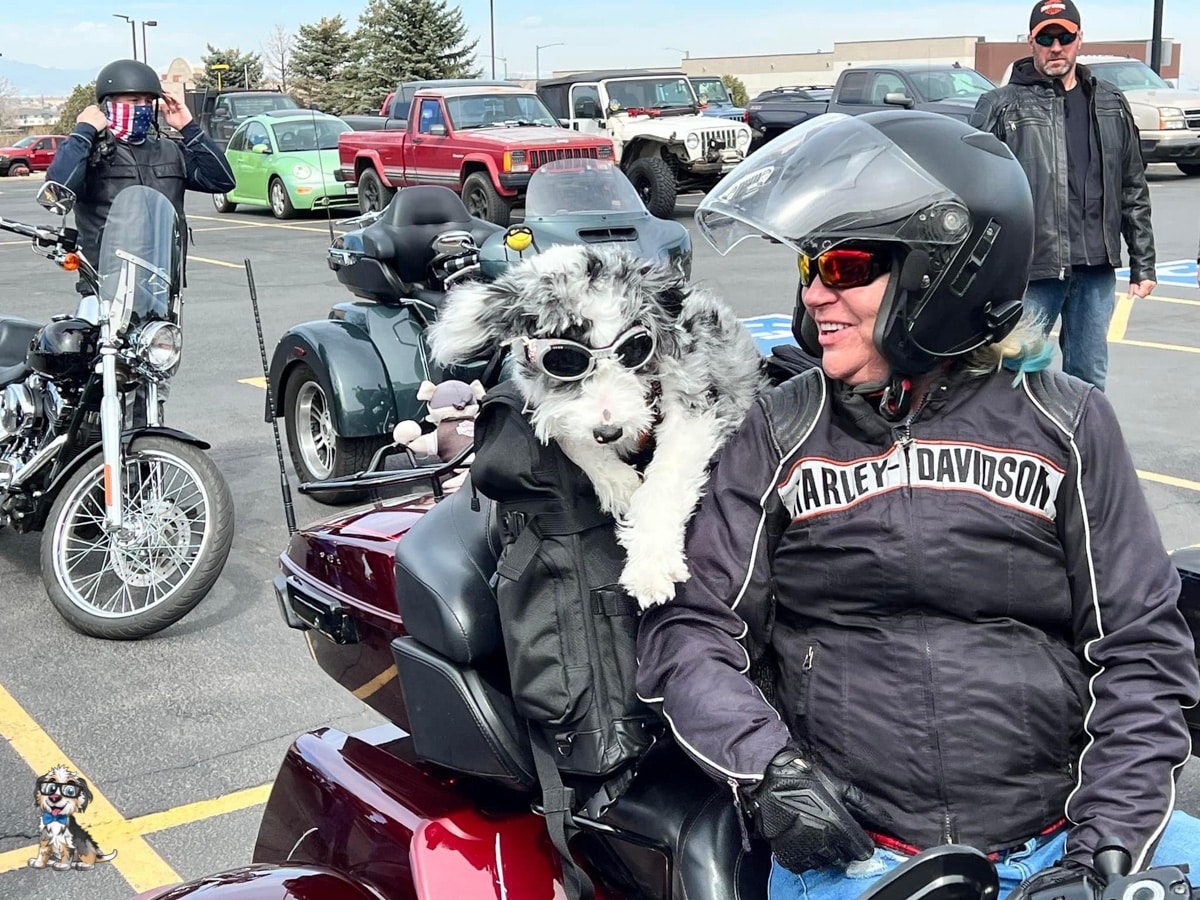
pixel 178 528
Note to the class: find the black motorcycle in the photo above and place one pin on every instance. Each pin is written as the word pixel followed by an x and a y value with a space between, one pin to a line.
pixel 137 521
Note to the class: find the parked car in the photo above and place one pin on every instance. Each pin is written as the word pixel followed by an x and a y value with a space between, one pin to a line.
pixel 951 90
pixel 483 142
pixel 773 112
pixel 661 140
pixel 714 98
pixel 394 112
pixel 220 112
pixel 29 154
pixel 1168 118
pixel 286 160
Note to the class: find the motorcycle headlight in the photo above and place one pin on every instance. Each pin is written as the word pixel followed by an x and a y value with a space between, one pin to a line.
pixel 160 344
pixel 692 141
pixel 302 171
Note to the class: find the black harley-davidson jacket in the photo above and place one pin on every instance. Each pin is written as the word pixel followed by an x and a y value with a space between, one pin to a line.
pixel 971 616
pixel 1029 115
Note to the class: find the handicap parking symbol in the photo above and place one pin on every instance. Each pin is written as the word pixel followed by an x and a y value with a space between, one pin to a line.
pixel 1180 273
pixel 770 331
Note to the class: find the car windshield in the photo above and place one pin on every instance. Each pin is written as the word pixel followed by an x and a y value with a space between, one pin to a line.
pixel 498 110
pixel 711 90
pixel 939 84
pixel 301 134
pixel 256 106
pixel 24 142
pixel 580 186
pixel 668 92
pixel 1128 75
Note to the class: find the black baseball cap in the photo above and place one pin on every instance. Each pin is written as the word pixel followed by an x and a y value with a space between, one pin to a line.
pixel 1054 12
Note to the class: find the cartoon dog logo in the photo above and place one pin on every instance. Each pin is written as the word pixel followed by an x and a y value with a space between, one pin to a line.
pixel 59 796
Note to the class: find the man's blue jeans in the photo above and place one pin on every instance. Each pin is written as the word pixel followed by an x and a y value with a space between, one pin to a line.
pixel 1180 844
pixel 1085 299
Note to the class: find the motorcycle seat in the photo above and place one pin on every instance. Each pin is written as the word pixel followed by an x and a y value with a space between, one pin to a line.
pixel 10 374
pixel 403 235
pixel 15 335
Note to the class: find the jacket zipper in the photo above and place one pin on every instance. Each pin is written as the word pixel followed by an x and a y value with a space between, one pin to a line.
pixel 1095 123
pixel 947 821
pixel 1062 189
pixel 805 678
pixel 904 438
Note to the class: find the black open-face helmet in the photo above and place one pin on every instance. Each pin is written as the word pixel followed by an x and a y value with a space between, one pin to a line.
pixel 127 76
pixel 952 202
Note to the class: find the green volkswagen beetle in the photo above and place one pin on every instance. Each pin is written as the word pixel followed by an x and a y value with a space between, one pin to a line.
pixel 285 159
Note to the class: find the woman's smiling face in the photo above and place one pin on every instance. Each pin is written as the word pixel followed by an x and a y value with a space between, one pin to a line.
pixel 845 319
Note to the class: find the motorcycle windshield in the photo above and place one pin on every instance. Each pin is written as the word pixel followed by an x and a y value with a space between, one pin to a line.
pixel 141 255
pixel 567 186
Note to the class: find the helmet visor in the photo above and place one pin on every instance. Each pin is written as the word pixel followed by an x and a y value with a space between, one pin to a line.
pixel 832 179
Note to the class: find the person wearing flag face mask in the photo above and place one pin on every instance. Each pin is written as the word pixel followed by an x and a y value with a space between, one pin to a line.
pixel 112 148
pixel 931 552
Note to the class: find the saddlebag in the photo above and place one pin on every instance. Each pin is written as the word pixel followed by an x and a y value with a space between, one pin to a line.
pixel 569 628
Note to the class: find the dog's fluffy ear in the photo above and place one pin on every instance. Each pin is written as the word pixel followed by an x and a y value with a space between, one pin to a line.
pixel 474 317
pixel 666 284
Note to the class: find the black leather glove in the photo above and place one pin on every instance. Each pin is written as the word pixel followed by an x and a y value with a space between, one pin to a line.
pixel 805 815
pixel 1066 879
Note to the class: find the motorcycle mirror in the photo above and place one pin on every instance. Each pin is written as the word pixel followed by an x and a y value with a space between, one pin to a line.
pixel 947 872
pixel 58 198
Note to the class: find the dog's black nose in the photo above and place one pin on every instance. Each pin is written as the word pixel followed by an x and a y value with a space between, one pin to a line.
pixel 606 434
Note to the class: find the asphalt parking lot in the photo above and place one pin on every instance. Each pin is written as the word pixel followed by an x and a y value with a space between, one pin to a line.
pixel 180 735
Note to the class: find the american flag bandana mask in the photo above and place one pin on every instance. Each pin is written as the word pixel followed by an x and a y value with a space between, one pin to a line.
pixel 129 122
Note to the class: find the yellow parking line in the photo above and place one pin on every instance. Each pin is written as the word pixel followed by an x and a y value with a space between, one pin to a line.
pixel 375 683
pixel 1120 320
pixel 202 809
pixel 261 224
pixel 1154 345
pixel 258 382
pixel 217 262
pixel 136 860
pixel 1170 480
pixel 1174 300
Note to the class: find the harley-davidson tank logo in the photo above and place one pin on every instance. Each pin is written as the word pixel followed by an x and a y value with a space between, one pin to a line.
pixel 816 486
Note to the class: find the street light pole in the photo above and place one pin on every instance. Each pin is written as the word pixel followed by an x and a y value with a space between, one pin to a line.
pixel 1156 38
pixel 132 30
pixel 537 58
pixel 492 19
pixel 145 52
pixel 687 54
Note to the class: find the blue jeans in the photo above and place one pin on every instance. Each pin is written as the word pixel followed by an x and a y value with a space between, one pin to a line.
pixel 1085 299
pixel 1180 844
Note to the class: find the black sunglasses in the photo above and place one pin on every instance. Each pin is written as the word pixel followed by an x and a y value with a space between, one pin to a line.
pixel 571 361
pixel 53 787
pixel 1064 38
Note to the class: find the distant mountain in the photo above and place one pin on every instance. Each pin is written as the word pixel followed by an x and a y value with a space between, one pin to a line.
pixel 32 80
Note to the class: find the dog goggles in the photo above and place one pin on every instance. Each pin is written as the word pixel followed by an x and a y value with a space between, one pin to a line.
pixel 844 267
pixel 1064 38
pixel 53 787
pixel 570 361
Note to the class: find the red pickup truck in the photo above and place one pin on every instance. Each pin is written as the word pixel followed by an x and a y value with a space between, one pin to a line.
pixel 483 142
pixel 30 154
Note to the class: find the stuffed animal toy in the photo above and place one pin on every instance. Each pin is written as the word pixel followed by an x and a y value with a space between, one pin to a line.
pixel 453 406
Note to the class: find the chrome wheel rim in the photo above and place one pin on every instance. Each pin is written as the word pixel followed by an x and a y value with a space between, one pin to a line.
pixel 315 433
pixel 168 527
pixel 277 198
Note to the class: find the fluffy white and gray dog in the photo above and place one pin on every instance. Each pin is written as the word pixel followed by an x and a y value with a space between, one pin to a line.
pixel 618 359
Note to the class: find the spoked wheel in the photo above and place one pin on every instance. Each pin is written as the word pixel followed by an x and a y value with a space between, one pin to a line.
pixel 176 534
pixel 318 451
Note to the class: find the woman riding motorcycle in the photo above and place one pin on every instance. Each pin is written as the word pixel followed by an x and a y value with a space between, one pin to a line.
pixel 937 549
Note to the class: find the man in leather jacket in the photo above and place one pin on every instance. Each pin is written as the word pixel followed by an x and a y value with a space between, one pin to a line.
pixel 111 148
pixel 1077 141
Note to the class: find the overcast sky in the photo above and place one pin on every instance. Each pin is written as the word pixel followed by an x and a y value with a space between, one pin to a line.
pixel 596 33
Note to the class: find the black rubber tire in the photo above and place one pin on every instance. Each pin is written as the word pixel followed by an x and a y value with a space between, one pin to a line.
pixel 222 203
pixel 284 210
pixel 654 181
pixel 350 454
pixel 1190 169
pixel 194 586
pixel 373 194
pixel 483 200
pixel 17 167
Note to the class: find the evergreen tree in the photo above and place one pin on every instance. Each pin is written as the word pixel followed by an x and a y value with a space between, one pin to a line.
pixel 410 40
pixel 83 96
pixel 737 89
pixel 245 69
pixel 322 67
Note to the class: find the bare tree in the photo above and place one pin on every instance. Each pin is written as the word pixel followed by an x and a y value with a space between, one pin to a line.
pixel 278 53
pixel 8 94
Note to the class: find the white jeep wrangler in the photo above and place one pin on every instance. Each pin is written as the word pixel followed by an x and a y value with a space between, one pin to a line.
pixel 662 142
